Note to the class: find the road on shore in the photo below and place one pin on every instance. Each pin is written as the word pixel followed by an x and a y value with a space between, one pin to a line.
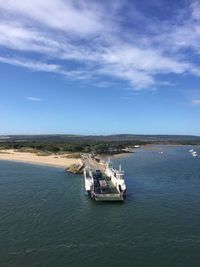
pixel 92 163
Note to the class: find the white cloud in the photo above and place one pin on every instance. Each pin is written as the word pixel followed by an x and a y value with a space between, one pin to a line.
pixel 93 36
pixel 45 67
pixel 31 98
pixel 184 33
pixel 15 36
pixel 79 18
pixel 37 66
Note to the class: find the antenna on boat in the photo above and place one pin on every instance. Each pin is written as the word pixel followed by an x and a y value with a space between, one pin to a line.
pixel 109 163
pixel 120 167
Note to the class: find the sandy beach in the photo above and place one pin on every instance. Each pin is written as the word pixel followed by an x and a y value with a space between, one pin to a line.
pixel 26 157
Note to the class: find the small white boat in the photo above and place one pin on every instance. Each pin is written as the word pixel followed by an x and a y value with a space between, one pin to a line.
pixel 194 154
pixel 191 150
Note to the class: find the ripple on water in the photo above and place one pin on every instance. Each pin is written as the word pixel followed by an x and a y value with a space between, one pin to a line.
pixel 46 219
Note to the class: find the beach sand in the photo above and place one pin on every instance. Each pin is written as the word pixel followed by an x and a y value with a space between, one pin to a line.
pixel 27 157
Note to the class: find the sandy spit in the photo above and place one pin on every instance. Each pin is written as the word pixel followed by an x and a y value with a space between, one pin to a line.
pixel 26 157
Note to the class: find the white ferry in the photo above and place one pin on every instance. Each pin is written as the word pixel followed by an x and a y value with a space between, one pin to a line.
pixel 105 186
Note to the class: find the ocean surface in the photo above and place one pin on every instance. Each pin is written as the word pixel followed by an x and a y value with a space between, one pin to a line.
pixel 46 219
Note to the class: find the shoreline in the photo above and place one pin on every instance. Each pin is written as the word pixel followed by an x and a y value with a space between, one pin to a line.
pixel 53 160
pixel 35 163
pixel 64 160
pixel 121 155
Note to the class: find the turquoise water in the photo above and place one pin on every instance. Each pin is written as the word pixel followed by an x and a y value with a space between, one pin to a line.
pixel 46 220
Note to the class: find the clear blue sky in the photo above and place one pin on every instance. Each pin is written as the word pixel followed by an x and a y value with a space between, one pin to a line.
pixel 100 67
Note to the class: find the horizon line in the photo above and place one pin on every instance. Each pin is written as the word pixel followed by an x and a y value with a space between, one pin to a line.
pixel 68 134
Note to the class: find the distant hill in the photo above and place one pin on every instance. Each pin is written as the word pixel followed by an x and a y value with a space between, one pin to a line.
pixel 105 138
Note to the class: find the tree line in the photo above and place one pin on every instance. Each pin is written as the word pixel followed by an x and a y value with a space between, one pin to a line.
pixel 72 147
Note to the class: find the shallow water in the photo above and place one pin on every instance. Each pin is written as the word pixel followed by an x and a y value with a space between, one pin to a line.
pixel 47 220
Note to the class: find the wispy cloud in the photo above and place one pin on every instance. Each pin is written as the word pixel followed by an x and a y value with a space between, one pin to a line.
pixel 35 99
pixel 92 35
pixel 79 18
pixel 33 65
pixel 196 102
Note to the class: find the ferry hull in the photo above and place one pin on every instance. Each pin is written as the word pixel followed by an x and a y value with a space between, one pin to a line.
pixel 88 193
pixel 124 194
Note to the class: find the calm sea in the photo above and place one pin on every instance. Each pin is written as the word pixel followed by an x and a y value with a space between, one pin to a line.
pixel 46 220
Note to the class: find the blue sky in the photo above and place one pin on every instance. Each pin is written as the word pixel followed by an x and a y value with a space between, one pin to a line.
pixel 100 67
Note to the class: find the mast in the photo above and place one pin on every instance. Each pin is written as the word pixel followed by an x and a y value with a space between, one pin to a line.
pixel 120 168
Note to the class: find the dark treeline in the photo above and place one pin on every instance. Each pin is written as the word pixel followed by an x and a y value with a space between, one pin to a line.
pixel 85 147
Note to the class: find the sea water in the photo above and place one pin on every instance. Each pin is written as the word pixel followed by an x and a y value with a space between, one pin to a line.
pixel 46 219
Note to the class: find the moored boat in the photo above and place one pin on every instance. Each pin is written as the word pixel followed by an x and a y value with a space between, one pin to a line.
pixel 105 186
pixel 194 154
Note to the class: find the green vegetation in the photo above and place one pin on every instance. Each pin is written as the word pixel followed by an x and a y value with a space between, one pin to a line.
pixel 59 144
pixel 41 147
